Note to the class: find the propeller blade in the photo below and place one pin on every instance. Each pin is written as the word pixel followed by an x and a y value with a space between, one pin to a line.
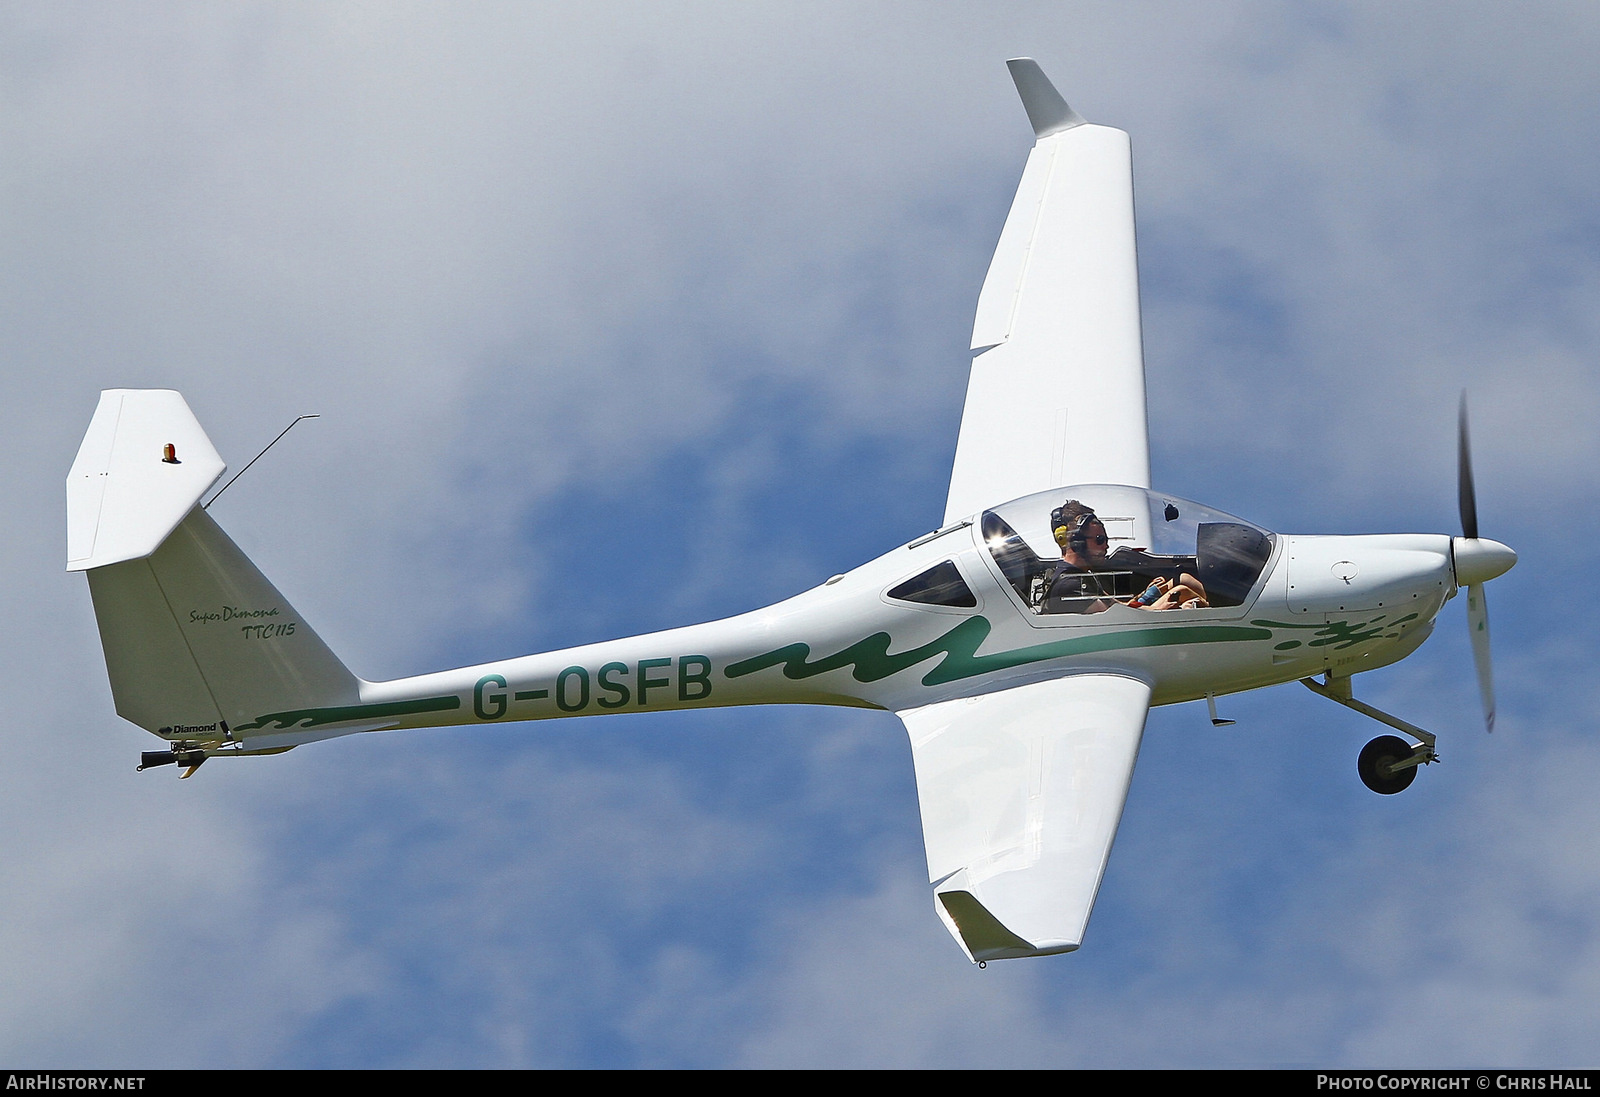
pixel 1478 622
pixel 1476 561
pixel 1468 496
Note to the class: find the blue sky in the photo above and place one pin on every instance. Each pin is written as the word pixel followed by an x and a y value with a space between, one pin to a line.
pixel 644 315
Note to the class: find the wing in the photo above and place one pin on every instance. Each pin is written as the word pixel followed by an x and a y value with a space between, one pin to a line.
pixel 1056 394
pixel 1021 792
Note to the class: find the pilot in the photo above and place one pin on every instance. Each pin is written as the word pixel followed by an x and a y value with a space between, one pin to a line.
pixel 1083 541
pixel 1084 546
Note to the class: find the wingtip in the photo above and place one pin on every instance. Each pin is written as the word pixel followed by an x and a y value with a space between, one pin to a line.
pixel 1047 110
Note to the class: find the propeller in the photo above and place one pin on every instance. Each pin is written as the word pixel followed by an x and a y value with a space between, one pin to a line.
pixel 1476 560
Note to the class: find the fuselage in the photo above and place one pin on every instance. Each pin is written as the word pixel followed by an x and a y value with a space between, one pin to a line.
pixel 886 636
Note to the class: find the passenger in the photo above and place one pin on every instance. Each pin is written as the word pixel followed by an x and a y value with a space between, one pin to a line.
pixel 1163 593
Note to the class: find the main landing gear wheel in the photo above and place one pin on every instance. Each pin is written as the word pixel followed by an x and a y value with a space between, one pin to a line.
pixel 1376 765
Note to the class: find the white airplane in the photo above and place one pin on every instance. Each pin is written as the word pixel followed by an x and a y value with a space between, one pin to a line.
pixel 1022 642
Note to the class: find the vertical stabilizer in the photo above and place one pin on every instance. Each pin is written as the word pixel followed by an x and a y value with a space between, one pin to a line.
pixel 196 639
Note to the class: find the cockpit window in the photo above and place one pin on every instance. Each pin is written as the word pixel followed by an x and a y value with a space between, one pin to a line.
pixel 940 585
pixel 1229 559
pixel 1081 550
pixel 1018 562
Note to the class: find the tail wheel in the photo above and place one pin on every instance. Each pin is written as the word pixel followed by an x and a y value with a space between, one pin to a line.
pixel 1377 761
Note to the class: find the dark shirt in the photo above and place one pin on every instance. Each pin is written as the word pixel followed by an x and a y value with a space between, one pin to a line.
pixel 1073 590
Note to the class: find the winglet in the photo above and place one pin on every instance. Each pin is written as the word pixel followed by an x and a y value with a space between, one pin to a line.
pixel 1046 109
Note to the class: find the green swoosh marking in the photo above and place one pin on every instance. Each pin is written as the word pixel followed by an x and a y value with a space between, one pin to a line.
pixel 317 717
pixel 1343 634
pixel 872 661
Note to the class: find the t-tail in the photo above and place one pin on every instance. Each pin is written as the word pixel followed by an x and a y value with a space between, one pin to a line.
pixel 196 639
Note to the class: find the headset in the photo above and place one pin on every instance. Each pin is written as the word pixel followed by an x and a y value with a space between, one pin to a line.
pixel 1069 531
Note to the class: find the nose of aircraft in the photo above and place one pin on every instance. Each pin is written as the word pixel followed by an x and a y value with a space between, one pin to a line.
pixel 1478 559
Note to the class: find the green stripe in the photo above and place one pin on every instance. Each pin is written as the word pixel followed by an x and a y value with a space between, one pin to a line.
pixel 317 717
pixel 872 661
pixel 1343 634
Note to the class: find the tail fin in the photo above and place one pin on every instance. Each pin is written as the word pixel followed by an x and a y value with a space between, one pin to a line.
pixel 196 639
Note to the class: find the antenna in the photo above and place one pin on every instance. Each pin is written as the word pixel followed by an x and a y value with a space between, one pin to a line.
pixel 207 504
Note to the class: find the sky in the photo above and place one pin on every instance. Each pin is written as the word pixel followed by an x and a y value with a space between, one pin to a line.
pixel 622 316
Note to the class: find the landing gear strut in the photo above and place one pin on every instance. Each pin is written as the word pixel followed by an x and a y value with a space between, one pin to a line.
pixel 1388 764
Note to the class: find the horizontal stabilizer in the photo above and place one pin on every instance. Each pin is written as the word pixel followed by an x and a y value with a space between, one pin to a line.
pixel 143 465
